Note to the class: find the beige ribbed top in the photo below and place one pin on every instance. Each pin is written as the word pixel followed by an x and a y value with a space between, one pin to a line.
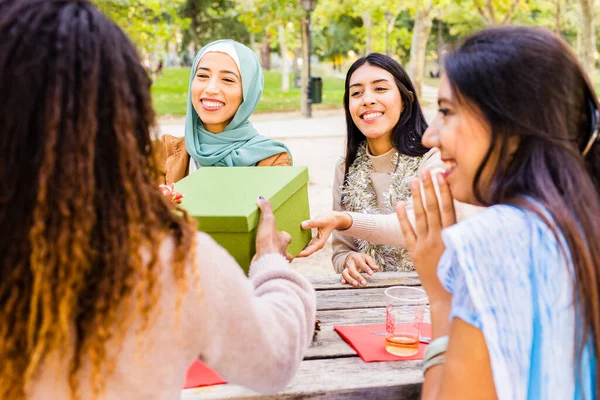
pixel 383 168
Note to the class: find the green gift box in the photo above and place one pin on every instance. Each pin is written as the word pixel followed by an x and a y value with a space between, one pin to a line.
pixel 223 202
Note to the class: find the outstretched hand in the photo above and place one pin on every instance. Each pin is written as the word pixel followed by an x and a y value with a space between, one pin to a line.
pixel 268 238
pixel 424 241
pixel 325 227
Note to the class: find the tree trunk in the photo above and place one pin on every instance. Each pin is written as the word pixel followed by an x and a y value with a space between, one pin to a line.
pixel 265 53
pixel 440 46
pixel 391 21
pixel 368 24
pixel 285 65
pixel 578 42
pixel 253 45
pixel 304 79
pixel 557 18
pixel 589 37
pixel 418 48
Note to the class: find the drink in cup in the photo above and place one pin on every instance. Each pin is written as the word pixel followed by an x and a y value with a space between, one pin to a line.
pixel 405 308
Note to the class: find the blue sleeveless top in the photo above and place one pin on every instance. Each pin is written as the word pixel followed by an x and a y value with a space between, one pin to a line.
pixel 510 280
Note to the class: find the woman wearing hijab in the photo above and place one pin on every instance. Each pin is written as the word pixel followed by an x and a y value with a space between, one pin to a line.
pixel 226 84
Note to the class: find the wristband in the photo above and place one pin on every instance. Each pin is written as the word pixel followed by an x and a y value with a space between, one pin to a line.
pixel 433 361
pixel 435 348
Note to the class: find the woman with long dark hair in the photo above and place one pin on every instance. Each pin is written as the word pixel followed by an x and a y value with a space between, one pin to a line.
pixel 385 125
pixel 383 152
pixel 515 290
pixel 105 292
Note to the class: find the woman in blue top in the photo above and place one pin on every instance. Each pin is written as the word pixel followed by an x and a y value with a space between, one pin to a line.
pixel 514 290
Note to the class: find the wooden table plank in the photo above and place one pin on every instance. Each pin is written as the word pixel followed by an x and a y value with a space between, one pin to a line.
pixel 328 344
pixel 331 368
pixel 378 280
pixel 340 378
pixel 354 299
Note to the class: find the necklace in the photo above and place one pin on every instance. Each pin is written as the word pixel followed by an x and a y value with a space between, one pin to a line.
pixel 359 196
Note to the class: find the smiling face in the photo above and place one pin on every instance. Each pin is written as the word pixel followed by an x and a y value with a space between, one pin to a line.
pixel 216 91
pixel 463 138
pixel 375 105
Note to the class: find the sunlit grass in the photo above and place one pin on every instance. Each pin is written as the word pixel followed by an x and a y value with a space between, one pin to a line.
pixel 169 93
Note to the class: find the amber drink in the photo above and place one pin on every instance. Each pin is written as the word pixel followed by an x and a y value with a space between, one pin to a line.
pixel 405 308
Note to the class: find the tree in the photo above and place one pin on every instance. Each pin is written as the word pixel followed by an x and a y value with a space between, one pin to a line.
pixel 496 12
pixel 213 20
pixel 278 22
pixel 334 40
pixel 149 23
pixel 421 32
pixel 589 36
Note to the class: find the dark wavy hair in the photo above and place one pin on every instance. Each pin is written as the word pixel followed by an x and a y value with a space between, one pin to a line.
pixel 411 126
pixel 528 84
pixel 79 206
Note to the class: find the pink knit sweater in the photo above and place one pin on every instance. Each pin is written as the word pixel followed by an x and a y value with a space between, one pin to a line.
pixel 254 331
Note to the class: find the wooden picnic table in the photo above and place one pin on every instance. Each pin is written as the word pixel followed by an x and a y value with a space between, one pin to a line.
pixel 331 369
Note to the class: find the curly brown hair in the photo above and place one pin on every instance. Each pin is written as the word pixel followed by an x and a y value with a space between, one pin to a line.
pixel 81 218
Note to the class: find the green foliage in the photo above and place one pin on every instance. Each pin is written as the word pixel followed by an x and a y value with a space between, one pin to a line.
pixel 212 20
pixel 334 41
pixel 169 93
pixel 149 23
pixel 263 17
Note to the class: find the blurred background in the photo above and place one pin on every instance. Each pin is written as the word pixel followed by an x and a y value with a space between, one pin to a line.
pixel 418 33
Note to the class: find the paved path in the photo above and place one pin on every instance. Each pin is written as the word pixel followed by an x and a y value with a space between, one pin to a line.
pixel 318 143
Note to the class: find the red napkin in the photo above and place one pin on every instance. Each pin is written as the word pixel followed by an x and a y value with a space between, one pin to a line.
pixel 198 374
pixel 370 346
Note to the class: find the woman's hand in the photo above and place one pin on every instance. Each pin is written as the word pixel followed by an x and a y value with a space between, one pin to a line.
pixel 268 238
pixel 355 264
pixel 169 192
pixel 424 242
pixel 325 226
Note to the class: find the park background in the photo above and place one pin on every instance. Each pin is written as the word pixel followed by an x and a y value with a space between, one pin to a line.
pixel 417 33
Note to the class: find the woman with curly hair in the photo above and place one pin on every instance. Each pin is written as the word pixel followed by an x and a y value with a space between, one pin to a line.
pixel 105 291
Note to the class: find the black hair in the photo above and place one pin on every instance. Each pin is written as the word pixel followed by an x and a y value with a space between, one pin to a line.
pixel 529 87
pixel 411 125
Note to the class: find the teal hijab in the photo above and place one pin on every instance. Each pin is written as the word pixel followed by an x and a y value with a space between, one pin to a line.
pixel 239 144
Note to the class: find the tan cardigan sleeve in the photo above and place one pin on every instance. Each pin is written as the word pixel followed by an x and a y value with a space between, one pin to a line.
pixel 341 243
pixel 160 159
pixel 385 229
pixel 278 160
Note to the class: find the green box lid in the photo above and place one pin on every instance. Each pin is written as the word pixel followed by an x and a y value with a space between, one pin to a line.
pixel 223 199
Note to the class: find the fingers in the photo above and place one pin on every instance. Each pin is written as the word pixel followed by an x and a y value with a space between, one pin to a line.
pixel 166 190
pixel 265 208
pixel 434 219
pixel 419 209
pixel 407 230
pixel 177 197
pixel 354 265
pixel 371 263
pixel 289 257
pixel 313 246
pixel 312 223
pixel 363 263
pixel 286 237
pixel 346 278
pixel 448 212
